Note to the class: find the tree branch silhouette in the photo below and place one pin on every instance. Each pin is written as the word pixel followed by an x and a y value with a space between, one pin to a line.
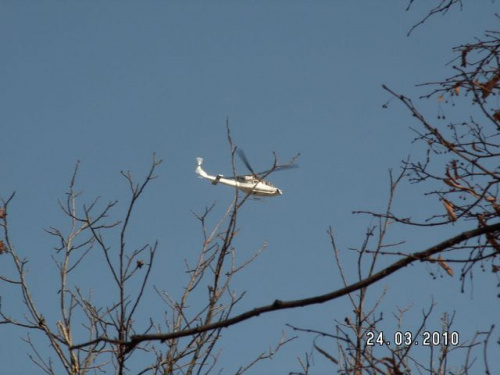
pixel 282 305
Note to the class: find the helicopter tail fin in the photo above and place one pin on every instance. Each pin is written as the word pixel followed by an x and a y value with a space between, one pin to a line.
pixel 200 170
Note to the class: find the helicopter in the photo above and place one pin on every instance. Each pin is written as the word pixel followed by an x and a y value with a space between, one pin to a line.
pixel 253 184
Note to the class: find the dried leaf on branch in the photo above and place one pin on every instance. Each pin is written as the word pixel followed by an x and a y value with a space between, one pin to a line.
pixel 445 266
pixel 449 209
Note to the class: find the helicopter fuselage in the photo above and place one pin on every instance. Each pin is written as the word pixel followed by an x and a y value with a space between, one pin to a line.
pixel 248 184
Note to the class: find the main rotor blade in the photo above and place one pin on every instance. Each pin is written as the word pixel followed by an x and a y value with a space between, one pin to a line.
pixel 278 168
pixel 245 161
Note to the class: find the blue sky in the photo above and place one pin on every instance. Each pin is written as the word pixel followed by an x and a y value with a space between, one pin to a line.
pixel 111 83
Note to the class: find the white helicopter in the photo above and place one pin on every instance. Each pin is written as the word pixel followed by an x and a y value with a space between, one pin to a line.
pixel 253 184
